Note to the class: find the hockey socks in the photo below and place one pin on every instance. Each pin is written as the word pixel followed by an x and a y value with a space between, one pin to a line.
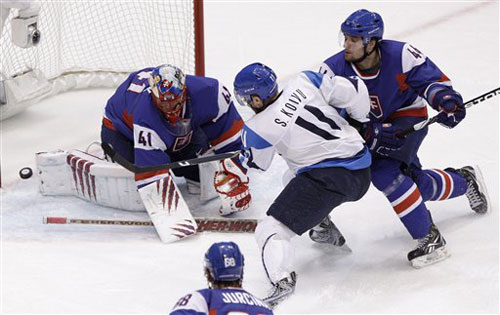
pixel 438 184
pixel 408 204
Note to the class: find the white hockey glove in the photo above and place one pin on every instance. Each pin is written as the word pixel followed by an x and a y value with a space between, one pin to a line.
pixel 231 183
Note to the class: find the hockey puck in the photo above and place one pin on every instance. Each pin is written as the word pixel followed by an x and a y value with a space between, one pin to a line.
pixel 25 172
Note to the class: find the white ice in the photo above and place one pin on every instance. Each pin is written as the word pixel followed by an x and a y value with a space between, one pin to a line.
pixel 104 269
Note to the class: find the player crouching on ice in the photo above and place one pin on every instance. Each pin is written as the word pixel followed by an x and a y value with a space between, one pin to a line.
pixel 328 161
pixel 159 115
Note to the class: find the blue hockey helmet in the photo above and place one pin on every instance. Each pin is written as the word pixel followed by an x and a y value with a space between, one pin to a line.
pixel 224 261
pixel 255 79
pixel 364 23
pixel 168 86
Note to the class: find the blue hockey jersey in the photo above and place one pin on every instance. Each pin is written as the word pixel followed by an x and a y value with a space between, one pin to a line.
pixel 399 88
pixel 220 302
pixel 209 107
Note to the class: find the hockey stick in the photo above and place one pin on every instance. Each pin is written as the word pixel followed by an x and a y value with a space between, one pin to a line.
pixel 432 120
pixel 204 224
pixel 115 156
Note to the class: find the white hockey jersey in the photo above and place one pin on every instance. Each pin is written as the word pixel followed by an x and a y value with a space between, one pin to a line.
pixel 305 125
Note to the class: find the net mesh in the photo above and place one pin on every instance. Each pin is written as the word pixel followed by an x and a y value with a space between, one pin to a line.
pixel 109 36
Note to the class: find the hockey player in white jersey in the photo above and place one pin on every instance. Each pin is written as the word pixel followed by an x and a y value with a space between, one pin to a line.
pixel 328 161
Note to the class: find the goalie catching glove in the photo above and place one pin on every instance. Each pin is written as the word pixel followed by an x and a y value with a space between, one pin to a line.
pixel 231 183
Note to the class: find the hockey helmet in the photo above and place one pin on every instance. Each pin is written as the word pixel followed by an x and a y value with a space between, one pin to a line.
pixel 364 23
pixel 224 261
pixel 168 85
pixel 255 79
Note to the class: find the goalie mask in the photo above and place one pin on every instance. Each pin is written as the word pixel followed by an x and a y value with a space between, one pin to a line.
pixel 168 85
pixel 224 262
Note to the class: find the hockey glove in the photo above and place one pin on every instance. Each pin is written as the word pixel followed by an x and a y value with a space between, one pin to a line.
pixel 231 183
pixel 382 138
pixel 449 103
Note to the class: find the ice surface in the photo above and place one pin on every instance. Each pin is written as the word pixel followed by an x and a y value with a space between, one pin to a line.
pixel 110 269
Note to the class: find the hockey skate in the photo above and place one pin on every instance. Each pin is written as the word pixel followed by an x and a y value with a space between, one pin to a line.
pixel 430 249
pixel 281 290
pixel 476 191
pixel 327 233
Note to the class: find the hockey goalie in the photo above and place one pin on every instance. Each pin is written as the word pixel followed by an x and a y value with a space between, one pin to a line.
pixel 157 116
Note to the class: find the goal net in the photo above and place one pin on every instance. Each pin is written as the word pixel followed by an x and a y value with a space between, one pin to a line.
pixel 96 43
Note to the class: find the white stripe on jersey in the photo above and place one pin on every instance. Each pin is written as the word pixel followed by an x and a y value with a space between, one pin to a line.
pixel 226 142
pixel 143 182
pixel 418 103
pixel 447 83
pixel 224 99
pixel 193 301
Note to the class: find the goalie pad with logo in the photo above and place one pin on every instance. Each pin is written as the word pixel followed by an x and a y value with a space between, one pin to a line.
pixel 87 177
pixel 63 173
pixel 168 210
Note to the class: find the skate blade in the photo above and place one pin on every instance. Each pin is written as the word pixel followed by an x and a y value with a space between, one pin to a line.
pixel 273 302
pixel 482 187
pixel 432 258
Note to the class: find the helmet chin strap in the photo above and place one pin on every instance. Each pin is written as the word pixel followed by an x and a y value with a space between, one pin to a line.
pixel 266 104
pixel 365 54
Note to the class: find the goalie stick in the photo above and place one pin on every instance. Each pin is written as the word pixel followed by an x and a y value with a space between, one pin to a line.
pixel 432 120
pixel 115 156
pixel 204 224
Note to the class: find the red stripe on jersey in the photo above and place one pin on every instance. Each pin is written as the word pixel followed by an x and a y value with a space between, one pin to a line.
pixel 108 124
pixel 444 78
pixel 446 184
pixel 128 119
pixel 409 201
pixel 235 128
pixel 411 112
pixel 146 175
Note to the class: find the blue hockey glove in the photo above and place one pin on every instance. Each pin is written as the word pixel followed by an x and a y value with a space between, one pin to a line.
pixel 382 138
pixel 450 104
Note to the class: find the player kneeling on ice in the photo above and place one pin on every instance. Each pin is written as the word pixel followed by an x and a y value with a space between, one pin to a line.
pixel 401 81
pixel 326 156
pixel 159 115
pixel 224 273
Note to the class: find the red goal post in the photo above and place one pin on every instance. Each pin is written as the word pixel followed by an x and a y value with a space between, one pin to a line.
pixel 95 43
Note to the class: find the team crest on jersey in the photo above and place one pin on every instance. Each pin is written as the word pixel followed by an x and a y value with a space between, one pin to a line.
pixel 181 142
pixel 375 107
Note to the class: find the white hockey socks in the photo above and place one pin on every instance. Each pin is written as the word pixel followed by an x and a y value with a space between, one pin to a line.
pixel 274 241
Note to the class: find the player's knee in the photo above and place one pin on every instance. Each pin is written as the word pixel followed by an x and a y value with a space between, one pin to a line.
pixel 384 172
pixel 380 181
pixel 268 227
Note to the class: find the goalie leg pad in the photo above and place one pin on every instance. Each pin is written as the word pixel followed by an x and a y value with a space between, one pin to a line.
pixel 87 177
pixel 168 210
pixel 207 173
